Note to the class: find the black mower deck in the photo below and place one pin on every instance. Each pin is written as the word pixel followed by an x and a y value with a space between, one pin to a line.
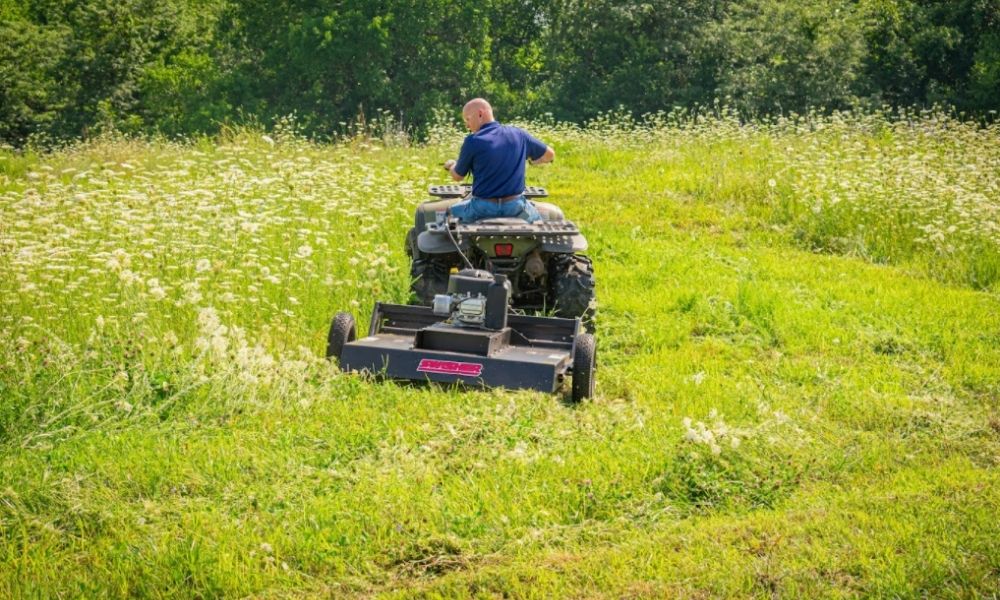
pixel 411 342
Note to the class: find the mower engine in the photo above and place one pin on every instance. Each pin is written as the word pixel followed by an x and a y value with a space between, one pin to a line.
pixel 475 298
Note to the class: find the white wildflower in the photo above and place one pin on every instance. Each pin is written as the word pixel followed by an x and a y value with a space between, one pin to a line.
pixel 520 451
pixel 155 290
pixel 208 320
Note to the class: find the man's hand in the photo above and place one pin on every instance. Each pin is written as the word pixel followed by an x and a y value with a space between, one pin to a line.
pixel 449 165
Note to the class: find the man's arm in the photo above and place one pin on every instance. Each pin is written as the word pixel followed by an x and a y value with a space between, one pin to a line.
pixel 539 152
pixel 449 165
pixel 461 167
pixel 548 157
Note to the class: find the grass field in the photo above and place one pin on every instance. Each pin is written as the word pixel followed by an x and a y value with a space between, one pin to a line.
pixel 798 393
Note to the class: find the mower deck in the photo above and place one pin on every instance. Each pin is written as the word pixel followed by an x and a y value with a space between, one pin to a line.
pixel 411 342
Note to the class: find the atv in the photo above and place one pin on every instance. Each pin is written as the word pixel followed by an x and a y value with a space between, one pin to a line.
pixel 541 261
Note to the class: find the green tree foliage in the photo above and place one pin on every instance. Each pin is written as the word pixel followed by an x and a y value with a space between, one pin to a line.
pixel 182 85
pixel 70 67
pixel 31 98
pixel 328 62
pixel 782 56
pixel 641 55
pixel 934 51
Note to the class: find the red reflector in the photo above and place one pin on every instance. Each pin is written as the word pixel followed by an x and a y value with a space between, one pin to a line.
pixel 503 249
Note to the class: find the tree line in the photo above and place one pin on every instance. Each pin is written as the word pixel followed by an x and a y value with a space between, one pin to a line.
pixel 73 67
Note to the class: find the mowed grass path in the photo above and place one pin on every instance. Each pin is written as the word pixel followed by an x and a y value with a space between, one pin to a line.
pixel 769 421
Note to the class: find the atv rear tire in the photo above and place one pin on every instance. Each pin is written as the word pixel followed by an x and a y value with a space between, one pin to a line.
pixel 572 288
pixel 584 363
pixel 428 277
pixel 411 243
pixel 342 331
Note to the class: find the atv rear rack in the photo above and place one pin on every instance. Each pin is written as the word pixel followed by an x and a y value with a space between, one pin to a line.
pixel 513 227
pixel 462 190
pixel 553 236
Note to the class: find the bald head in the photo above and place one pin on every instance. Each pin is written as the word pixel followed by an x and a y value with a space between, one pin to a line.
pixel 477 112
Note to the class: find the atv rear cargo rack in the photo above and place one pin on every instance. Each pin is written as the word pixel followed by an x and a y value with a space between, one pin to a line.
pixel 511 226
pixel 462 190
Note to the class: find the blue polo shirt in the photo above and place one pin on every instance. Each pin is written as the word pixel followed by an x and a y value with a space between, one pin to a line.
pixel 495 154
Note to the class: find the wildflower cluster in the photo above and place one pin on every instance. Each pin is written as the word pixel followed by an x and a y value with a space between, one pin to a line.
pixel 921 184
pixel 153 234
pixel 719 464
pixel 714 437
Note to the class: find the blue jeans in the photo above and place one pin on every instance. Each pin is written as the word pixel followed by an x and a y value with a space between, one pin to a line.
pixel 474 209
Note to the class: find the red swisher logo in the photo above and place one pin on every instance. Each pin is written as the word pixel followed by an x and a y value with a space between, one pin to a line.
pixel 429 365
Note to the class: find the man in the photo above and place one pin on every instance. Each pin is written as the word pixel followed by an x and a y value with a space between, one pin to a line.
pixel 495 155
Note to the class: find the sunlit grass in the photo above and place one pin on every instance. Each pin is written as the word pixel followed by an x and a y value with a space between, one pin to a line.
pixel 797 392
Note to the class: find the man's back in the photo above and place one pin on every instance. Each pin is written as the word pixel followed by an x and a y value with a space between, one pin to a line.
pixel 496 156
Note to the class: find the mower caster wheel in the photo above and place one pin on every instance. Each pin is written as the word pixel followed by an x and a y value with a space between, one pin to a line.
pixel 342 331
pixel 584 362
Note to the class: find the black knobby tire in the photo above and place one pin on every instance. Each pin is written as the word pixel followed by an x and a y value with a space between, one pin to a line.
pixel 411 244
pixel 572 287
pixel 342 331
pixel 428 277
pixel 584 364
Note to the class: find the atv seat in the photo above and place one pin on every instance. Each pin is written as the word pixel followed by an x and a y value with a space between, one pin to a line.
pixel 549 212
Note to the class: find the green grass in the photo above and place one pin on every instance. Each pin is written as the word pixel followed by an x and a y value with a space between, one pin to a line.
pixel 779 411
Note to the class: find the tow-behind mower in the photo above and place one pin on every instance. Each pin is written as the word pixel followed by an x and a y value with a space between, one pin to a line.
pixel 468 335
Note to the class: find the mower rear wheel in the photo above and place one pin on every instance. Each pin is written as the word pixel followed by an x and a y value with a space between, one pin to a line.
pixel 342 331
pixel 584 363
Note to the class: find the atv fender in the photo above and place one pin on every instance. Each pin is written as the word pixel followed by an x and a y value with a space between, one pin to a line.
pixel 564 244
pixel 430 242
